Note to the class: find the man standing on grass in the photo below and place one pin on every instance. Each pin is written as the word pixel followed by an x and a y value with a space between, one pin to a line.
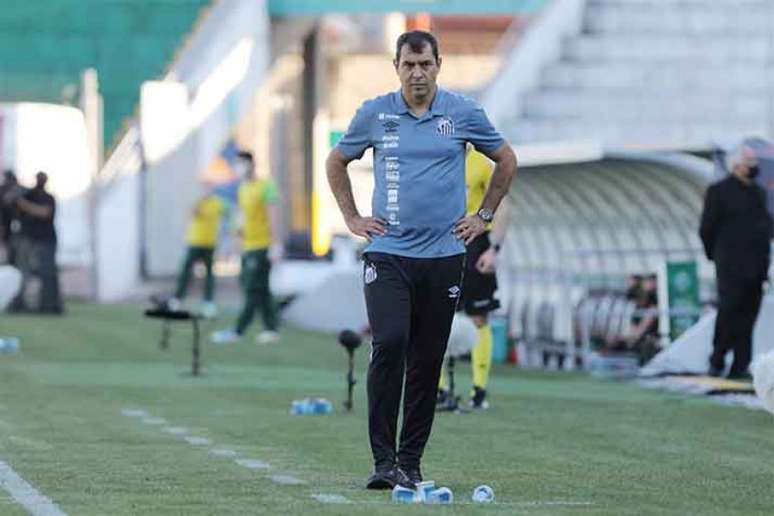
pixel 258 203
pixel 417 233
pixel 36 210
pixel 480 283
pixel 736 231
pixel 202 237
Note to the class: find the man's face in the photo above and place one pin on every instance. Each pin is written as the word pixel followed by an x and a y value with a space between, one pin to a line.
pixel 41 179
pixel 747 167
pixel 245 168
pixel 417 71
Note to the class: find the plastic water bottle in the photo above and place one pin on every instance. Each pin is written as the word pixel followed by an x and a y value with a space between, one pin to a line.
pixel 442 495
pixel 301 407
pixel 483 494
pixel 322 406
pixel 9 345
pixel 424 489
pixel 402 494
pixel 309 406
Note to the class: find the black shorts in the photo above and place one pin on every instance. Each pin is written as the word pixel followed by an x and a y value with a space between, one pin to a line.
pixel 478 289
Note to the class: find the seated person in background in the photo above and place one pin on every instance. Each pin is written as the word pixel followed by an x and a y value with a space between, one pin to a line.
pixel 633 287
pixel 642 337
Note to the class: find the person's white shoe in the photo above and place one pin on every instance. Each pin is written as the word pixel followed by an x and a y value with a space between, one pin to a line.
pixel 208 310
pixel 174 304
pixel 225 337
pixel 267 337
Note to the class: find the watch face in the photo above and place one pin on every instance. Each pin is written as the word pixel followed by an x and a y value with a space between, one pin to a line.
pixel 485 214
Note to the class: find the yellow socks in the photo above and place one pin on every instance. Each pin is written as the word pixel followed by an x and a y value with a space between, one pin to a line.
pixel 443 383
pixel 481 357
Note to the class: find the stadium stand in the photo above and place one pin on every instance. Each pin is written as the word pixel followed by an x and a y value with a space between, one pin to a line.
pixel 44 47
pixel 675 73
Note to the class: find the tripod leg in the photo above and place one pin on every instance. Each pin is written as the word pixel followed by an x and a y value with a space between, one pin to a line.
pixel 165 333
pixel 350 382
pixel 195 364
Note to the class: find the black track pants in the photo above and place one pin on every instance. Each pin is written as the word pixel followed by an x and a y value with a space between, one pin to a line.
pixel 411 303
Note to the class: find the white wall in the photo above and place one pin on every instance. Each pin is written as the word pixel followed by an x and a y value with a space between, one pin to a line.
pixel 542 44
pixel 52 138
pixel 222 66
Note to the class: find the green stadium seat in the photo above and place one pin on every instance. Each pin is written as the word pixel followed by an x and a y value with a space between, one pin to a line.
pixel 44 46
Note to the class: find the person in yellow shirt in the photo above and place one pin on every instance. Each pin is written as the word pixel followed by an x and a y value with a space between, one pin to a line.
pixel 479 282
pixel 258 203
pixel 202 238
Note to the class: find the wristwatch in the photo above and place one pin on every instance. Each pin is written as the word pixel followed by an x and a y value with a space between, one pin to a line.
pixel 485 214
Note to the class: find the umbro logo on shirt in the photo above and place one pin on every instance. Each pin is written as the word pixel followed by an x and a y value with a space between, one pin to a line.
pixel 390 126
pixel 446 127
pixel 454 292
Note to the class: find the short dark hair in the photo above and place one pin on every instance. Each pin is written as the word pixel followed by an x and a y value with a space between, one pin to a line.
pixel 416 40
pixel 246 155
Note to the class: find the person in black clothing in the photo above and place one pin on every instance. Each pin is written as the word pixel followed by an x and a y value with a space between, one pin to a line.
pixel 8 191
pixel 37 245
pixel 736 231
pixel 418 230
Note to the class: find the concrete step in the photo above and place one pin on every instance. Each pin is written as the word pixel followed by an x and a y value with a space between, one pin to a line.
pixel 642 133
pixel 635 49
pixel 691 18
pixel 676 78
pixel 679 4
pixel 633 105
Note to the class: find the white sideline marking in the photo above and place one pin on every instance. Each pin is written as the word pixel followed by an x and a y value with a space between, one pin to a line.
pixel 134 413
pixel 198 441
pixel 286 480
pixel 176 430
pixel 154 421
pixel 252 464
pixel 30 443
pixel 330 498
pixel 557 503
pixel 223 452
pixel 26 495
pixel 548 503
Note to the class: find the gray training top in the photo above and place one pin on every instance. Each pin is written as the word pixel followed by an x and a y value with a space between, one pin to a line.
pixel 419 167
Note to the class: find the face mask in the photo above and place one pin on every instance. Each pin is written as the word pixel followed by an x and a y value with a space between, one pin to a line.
pixel 753 172
pixel 242 169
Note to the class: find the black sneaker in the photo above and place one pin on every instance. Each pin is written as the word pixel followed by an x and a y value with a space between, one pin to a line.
pixel 743 376
pixel 478 400
pixel 383 478
pixel 442 399
pixel 409 476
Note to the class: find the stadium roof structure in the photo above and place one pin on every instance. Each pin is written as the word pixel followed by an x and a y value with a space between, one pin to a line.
pixel 437 7
pixel 609 216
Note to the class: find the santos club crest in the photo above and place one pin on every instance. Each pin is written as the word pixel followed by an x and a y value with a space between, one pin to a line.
pixel 446 127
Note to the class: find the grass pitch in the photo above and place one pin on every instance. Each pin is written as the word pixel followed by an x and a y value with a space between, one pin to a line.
pixel 552 443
